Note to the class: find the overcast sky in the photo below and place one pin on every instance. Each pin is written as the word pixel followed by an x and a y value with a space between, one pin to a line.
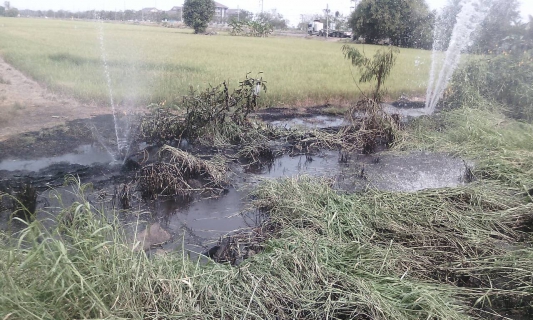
pixel 290 9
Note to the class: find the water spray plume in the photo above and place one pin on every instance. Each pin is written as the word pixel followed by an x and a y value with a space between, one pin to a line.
pixel 121 135
pixel 469 18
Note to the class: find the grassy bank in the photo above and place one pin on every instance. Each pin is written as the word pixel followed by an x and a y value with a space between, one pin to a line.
pixel 453 253
pixel 152 64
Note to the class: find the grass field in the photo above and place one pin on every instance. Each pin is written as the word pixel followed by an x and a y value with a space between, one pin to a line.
pixel 154 64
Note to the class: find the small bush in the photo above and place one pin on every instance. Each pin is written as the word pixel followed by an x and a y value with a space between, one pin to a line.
pixel 251 28
pixel 505 79
pixel 211 114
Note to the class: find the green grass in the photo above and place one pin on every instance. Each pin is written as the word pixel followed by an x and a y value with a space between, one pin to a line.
pixel 451 253
pixel 153 64
pixel 502 147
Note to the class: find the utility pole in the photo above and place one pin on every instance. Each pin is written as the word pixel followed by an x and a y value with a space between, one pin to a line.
pixel 262 5
pixel 327 20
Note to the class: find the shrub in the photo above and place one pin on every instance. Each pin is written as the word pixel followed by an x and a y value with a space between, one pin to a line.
pixel 504 79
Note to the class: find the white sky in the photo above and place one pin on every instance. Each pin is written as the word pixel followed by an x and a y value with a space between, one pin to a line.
pixel 290 9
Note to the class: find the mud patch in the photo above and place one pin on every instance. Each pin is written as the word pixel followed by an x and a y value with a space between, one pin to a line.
pixel 59 140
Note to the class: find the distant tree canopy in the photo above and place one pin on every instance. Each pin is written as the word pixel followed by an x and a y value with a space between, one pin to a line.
pixel 2 11
pixel 407 23
pixel 501 27
pixel 241 15
pixel 13 12
pixel 445 21
pixel 340 21
pixel 198 13
pixel 273 18
pixel 501 30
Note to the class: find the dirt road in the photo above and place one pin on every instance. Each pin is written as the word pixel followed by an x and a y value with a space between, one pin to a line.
pixel 26 105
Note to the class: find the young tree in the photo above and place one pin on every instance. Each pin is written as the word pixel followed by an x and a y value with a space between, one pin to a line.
pixel 198 13
pixel 407 22
pixel 378 68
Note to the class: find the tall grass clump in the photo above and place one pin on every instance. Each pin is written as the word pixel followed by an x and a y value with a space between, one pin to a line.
pixel 454 240
pixel 505 79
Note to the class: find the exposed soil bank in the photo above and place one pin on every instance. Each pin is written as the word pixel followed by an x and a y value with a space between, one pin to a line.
pixel 59 140
pixel 26 105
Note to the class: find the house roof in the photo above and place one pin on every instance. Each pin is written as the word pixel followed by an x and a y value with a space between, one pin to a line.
pixel 150 9
pixel 220 5
pixel 175 8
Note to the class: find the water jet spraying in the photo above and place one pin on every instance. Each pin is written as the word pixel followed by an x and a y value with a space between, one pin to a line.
pixel 469 18
pixel 122 131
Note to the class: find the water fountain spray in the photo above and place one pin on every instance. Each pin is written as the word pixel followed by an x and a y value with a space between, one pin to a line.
pixel 469 18
pixel 121 135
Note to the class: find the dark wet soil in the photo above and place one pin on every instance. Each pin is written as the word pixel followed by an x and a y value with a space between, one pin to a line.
pixel 56 141
pixel 199 221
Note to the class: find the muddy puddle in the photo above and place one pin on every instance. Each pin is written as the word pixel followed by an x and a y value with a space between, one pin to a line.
pixel 88 154
pixel 199 221
pixel 385 171
pixel 312 122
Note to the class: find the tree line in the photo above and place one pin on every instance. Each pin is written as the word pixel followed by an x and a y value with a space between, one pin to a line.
pixel 92 14
pixel 410 23
pixel 11 12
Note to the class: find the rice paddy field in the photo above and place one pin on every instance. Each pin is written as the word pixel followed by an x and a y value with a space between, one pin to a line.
pixel 154 64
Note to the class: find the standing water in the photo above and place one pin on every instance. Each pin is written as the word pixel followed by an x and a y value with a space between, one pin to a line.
pixel 121 134
pixel 470 16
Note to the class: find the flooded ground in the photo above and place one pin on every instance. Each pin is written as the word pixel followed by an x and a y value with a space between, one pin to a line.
pixel 198 222
pixel 312 122
pixel 83 155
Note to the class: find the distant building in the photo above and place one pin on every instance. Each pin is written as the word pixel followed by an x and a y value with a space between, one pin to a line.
pixel 220 12
pixel 7 5
pixel 233 12
pixel 150 14
pixel 176 13
pixel 150 10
